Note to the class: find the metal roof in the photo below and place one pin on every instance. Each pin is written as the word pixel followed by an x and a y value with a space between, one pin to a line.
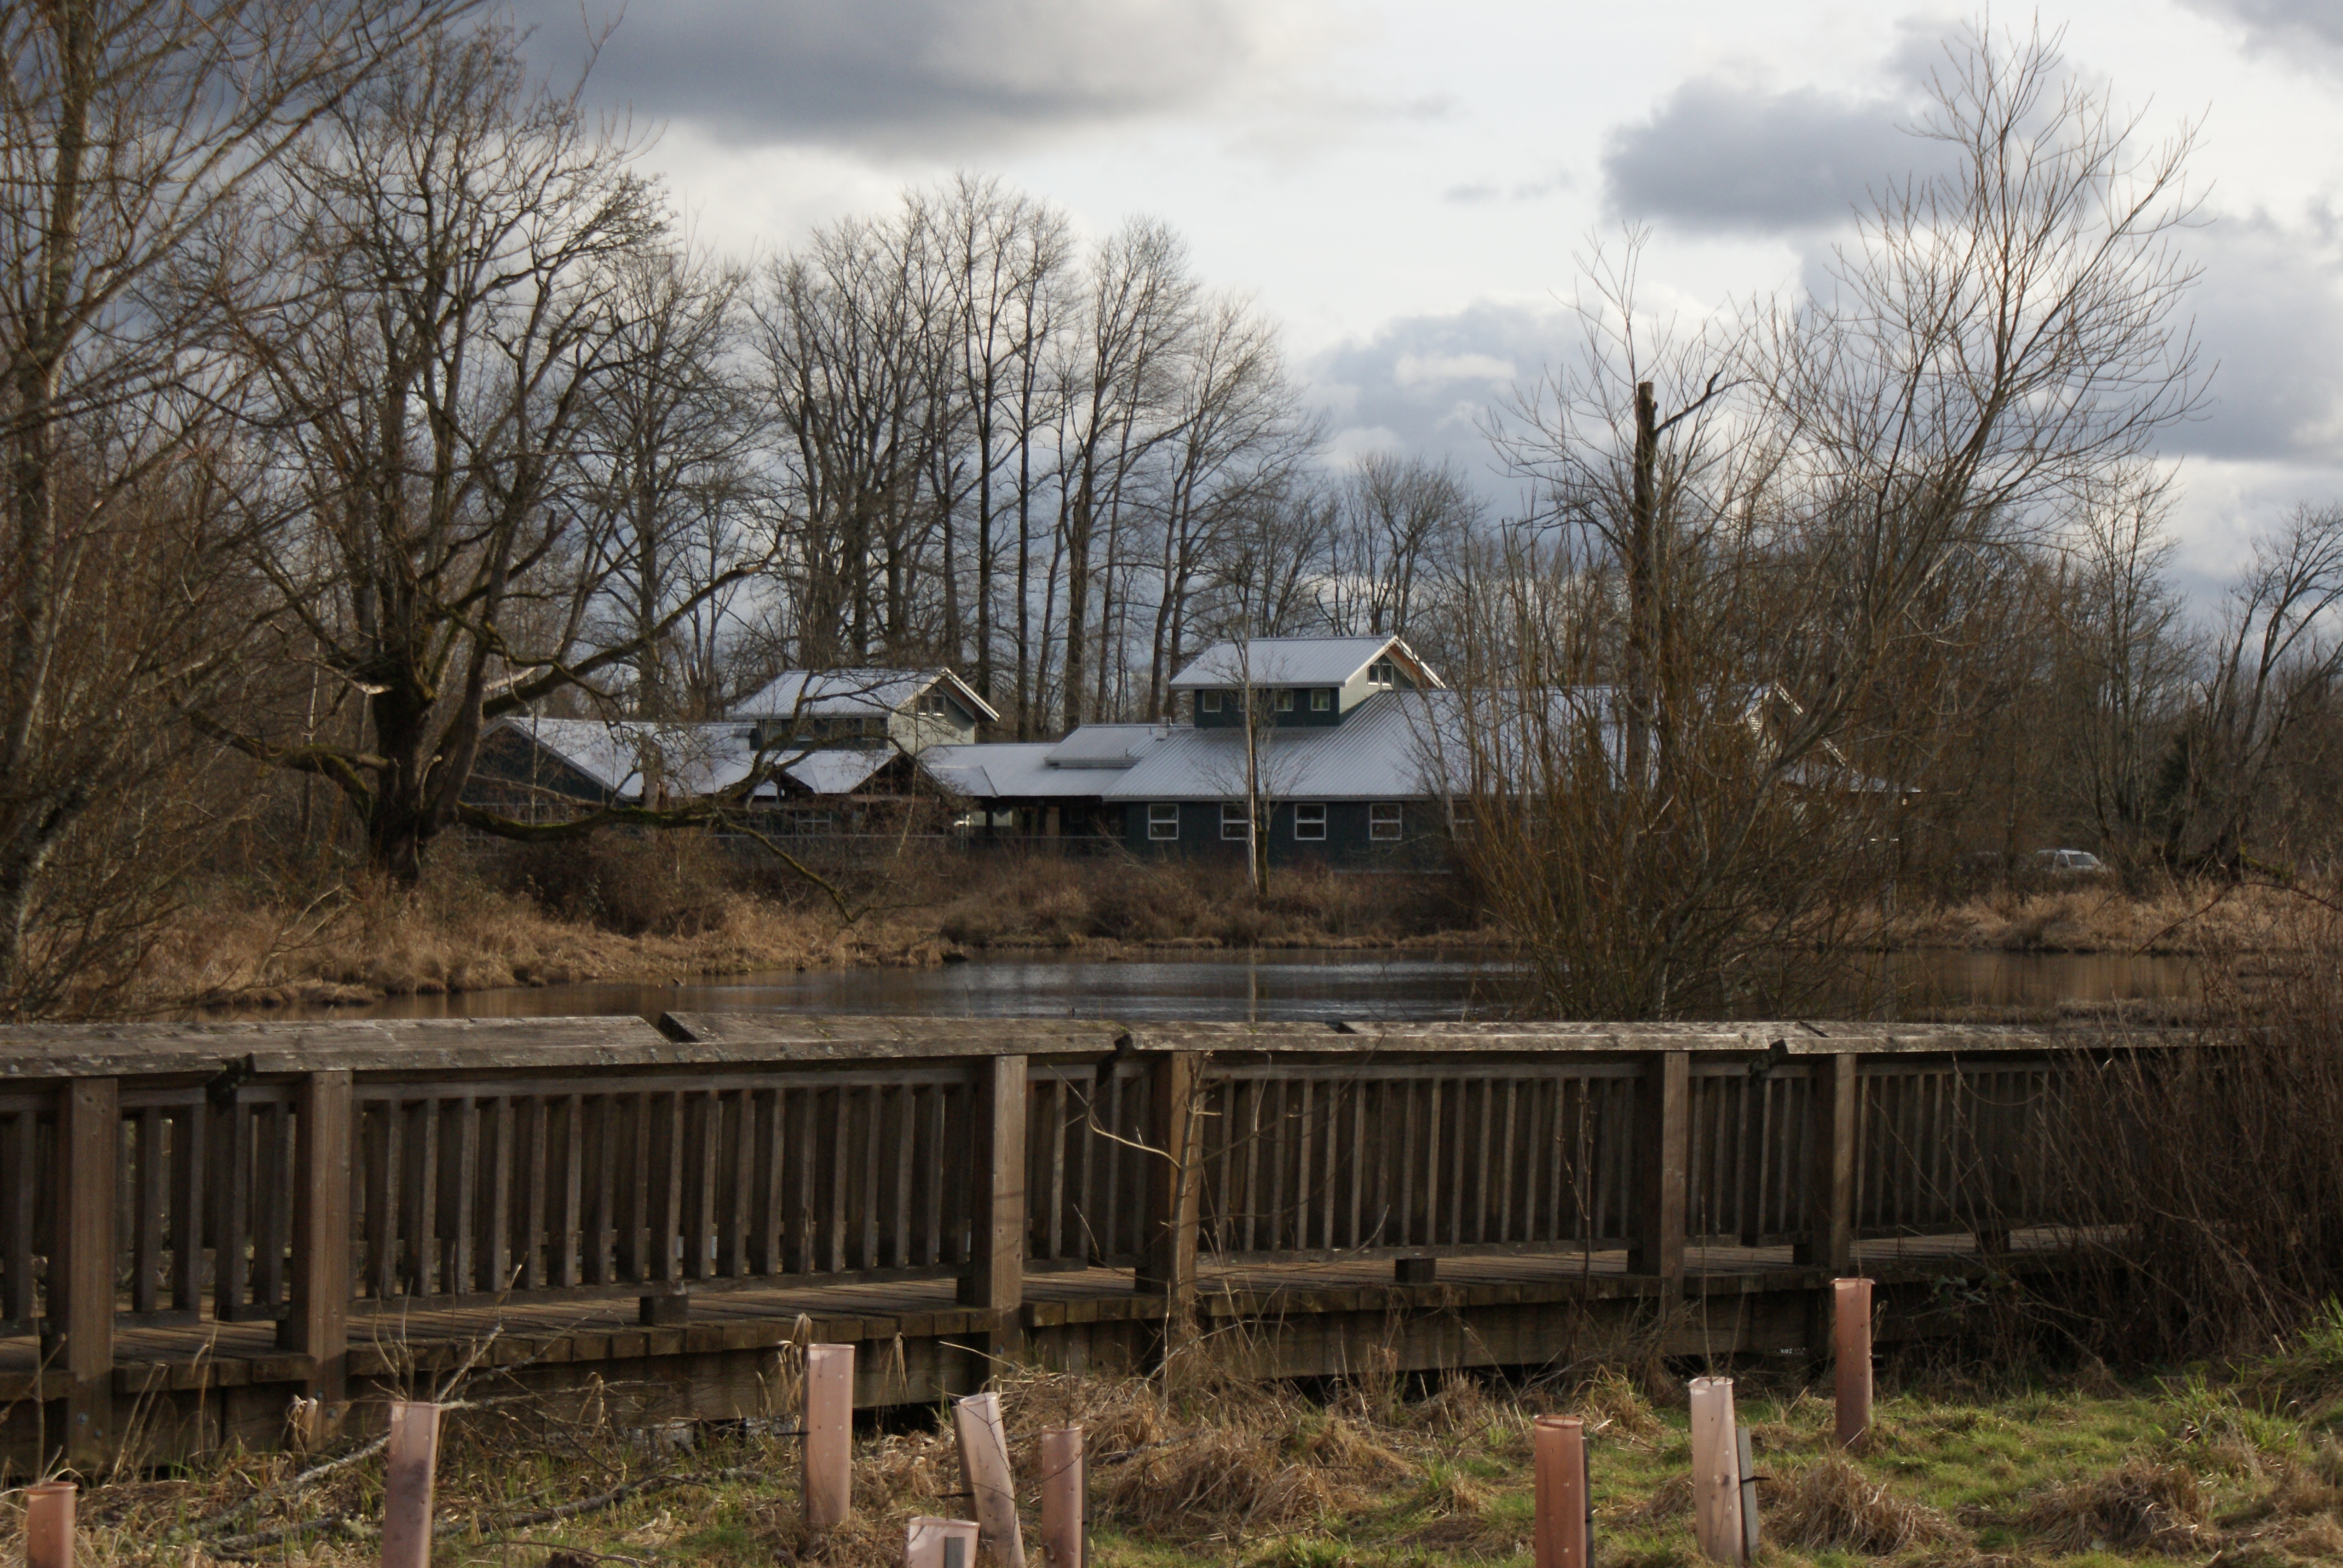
pixel 1289 661
pixel 1395 745
pixel 691 759
pixel 1006 771
pixel 1106 745
pixel 866 693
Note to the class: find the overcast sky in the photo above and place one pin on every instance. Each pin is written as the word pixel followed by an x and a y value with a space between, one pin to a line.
pixel 1403 187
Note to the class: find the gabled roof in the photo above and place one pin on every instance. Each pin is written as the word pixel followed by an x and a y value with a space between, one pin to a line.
pixel 1291 662
pixel 865 693
pixel 690 760
pixel 1389 749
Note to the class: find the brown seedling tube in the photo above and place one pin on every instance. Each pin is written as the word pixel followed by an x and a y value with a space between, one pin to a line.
pixel 940 1543
pixel 828 1443
pixel 1716 1471
pixel 410 1471
pixel 984 1463
pixel 49 1524
pixel 1063 1489
pixel 1558 1444
pixel 1851 1347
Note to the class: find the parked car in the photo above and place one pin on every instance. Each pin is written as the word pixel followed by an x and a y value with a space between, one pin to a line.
pixel 2067 861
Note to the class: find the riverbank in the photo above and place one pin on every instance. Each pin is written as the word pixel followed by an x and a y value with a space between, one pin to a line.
pixel 664 913
pixel 672 912
pixel 2085 1469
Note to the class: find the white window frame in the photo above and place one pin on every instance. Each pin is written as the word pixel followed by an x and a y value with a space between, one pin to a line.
pixel 1460 810
pixel 1208 703
pixel 1310 822
pixel 1236 829
pixel 1321 700
pixel 1386 820
pixel 1382 675
pixel 1285 700
pixel 1161 815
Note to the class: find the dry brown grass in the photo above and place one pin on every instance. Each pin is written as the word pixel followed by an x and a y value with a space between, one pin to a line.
pixel 1038 900
pixel 1832 1506
pixel 2144 1506
pixel 658 910
pixel 2101 916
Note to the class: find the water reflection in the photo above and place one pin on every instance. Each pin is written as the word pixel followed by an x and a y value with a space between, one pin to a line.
pixel 1270 987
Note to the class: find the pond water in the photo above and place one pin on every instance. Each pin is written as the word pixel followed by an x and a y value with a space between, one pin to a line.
pixel 1261 987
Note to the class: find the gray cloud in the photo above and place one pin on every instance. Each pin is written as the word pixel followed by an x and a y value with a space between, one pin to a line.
pixel 2282 24
pixel 927 76
pixel 1715 158
pixel 2269 310
pixel 1426 384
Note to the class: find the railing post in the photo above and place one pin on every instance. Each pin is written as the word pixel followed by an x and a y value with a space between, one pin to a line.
pixel 995 1279
pixel 1830 1184
pixel 1168 1255
pixel 81 1277
pixel 317 1323
pixel 1663 1149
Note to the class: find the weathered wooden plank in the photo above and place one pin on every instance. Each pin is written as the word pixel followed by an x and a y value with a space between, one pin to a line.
pixel 994 1279
pixel 318 1323
pixel 81 1281
pixel 1663 1136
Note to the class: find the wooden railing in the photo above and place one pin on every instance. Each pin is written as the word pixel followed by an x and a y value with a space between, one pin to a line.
pixel 305 1173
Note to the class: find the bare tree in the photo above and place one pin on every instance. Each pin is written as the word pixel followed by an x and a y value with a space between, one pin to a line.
pixel 2273 665
pixel 129 129
pixel 672 500
pixel 1117 381
pixel 1400 518
pixel 1239 439
pixel 1707 778
pixel 432 373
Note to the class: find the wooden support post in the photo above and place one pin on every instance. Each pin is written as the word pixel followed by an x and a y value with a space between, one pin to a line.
pixel 1716 1472
pixel 81 1278
pixel 1174 1172
pixel 1065 1494
pixel 995 1276
pixel 828 1485
pixel 984 1465
pixel 1851 1374
pixel 409 1475
pixel 1829 1244
pixel 1565 1537
pixel 1663 1149
pixel 49 1524
pixel 318 1323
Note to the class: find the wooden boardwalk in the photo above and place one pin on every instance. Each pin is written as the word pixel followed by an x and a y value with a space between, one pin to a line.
pixel 198 1224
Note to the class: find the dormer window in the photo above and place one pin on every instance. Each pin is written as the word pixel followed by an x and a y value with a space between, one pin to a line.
pixel 1208 703
pixel 932 703
pixel 1320 701
pixel 1285 701
pixel 1382 675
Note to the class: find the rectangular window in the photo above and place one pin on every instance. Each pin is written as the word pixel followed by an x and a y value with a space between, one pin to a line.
pixel 1320 701
pixel 1236 824
pixel 1383 819
pixel 1378 675
pixel 1309 822
pixel 1208 703
pixel 1163 820
pixel 1460 811
pixel 1285 702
